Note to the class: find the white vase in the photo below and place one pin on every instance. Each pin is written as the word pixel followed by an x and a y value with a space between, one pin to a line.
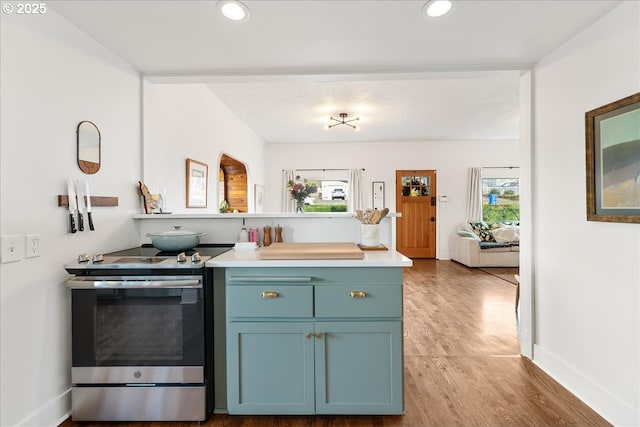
pixel 370 235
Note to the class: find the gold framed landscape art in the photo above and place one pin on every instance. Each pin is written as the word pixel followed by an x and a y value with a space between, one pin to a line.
pixel 613 161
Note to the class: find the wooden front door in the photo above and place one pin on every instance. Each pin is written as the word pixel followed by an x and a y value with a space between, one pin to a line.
pixel 416 200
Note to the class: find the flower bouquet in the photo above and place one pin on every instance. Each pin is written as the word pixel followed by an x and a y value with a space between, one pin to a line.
pixel 299 190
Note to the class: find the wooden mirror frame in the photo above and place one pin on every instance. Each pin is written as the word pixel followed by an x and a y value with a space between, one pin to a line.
pixel 86 134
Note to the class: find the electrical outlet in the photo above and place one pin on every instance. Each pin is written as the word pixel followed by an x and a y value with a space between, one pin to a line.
pixel 12 248
pixel 33 245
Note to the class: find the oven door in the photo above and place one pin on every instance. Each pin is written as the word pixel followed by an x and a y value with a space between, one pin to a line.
pixel 137 329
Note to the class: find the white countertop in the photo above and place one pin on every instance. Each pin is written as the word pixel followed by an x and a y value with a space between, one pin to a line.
pixel 238 215
pixel 251 258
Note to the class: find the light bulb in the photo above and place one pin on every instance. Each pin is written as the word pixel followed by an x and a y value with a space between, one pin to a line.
pixel 435 8
pixel 234 10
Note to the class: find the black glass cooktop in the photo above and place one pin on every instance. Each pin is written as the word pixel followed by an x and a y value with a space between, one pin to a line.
pixel 148 250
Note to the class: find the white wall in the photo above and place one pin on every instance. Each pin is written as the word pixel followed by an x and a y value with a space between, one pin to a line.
pixel 451 160
pixel 53 77
pixel 587 277
pixel 187 121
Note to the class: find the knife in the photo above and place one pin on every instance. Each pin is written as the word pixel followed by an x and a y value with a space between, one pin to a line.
pixel 71 192
pixel 89 217
pixel 80 207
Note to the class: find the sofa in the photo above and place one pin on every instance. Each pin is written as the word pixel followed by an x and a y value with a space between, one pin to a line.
pixel 486 245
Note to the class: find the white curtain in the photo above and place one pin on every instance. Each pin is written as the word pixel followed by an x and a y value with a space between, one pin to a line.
pixel 355 190
pixel 288 204
pixel 474 201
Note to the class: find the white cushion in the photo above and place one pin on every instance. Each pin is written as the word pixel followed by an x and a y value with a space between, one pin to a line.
pixel 466 233
pixel 506 234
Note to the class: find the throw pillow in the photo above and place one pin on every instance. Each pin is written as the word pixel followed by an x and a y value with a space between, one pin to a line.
pixel 483 230
pixel 506 234
pixel 465 233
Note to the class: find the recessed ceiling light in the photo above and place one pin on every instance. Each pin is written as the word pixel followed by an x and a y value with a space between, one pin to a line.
pixel 234 10
pixel 435 8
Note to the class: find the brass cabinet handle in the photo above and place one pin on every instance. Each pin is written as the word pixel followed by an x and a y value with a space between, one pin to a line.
pixel 310 335
pixel 358 294
pixel 270 294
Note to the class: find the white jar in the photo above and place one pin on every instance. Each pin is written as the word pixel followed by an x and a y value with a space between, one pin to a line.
pixel 370 235
pixel 244 235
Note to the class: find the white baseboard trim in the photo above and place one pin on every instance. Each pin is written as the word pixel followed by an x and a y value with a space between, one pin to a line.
pixel 51 414
pixel 605 403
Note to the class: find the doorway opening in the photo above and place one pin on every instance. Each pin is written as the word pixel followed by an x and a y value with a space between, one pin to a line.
pixel 232 184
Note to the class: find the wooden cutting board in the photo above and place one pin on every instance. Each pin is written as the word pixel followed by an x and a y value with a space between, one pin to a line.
pixel 311 251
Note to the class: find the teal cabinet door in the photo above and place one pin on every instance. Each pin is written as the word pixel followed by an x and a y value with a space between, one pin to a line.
pixel 270 368
pixel 359 368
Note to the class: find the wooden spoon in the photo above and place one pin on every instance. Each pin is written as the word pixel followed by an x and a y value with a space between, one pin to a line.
pixel 375 217
pixel 384 213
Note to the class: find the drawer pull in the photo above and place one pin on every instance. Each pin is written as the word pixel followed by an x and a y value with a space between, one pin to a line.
pixel 308 335
pixel 319 335
pixel 358 294
pixel 270 294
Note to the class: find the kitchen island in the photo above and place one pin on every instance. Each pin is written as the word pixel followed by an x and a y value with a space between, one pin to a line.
pixel 309 336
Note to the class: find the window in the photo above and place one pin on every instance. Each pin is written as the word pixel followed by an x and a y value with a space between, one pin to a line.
pixel 330 197
pixel 333 189
pixel 500 199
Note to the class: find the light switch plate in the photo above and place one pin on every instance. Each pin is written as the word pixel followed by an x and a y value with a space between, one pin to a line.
pixel 12 248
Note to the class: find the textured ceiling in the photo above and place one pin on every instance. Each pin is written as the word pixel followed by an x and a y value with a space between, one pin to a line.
pixel 462 106
pixel 294 63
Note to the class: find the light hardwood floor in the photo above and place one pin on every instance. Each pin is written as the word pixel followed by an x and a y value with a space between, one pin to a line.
pixel 462 366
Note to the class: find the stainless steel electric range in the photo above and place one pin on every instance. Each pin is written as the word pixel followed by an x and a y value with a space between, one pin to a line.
pixel 142 335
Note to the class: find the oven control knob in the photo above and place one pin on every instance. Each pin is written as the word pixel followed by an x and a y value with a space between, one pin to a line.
pixel 196 257
pixel 98 258
pixel 137 374
pixel 84 258
pixel 182 257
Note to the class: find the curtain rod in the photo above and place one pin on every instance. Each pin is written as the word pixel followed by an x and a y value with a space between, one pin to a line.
pixel 500 167
pixel 323 170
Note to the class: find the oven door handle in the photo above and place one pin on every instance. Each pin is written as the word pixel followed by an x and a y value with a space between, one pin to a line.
pixel 133 284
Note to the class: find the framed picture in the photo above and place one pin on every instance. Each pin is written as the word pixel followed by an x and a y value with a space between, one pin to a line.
pixel 258 199
pixel 197 178
pixel 613 161
pixel 377 193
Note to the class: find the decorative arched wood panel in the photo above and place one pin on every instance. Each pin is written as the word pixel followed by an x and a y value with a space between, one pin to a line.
pixel 234 175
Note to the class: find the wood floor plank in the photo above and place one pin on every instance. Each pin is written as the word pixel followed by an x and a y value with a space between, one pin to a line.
pixel 462 366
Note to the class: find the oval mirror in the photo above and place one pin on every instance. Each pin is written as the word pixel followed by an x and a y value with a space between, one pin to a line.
pixel 88 147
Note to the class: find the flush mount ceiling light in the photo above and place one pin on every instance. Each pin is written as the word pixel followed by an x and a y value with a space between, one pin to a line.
pixel 436 8
pixel 343 121
pixel 233 10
